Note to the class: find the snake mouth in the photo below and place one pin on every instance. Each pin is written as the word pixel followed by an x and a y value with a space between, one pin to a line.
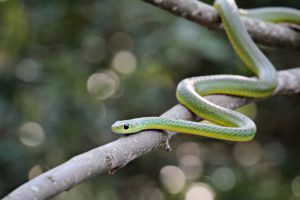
pixel 120 127
pixel 115 127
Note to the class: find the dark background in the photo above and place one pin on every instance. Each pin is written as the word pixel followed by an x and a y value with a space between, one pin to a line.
pixel 69 69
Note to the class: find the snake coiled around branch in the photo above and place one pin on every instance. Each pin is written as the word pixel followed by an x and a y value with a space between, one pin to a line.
pixel 227 124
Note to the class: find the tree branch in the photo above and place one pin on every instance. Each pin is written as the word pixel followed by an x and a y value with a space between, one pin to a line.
pixel 276 35
pixel 115 155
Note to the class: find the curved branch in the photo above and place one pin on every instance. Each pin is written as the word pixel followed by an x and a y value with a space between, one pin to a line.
pixel 117 154
pixel 276 35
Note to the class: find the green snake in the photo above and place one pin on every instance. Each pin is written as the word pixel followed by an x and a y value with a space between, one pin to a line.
pixel 227 124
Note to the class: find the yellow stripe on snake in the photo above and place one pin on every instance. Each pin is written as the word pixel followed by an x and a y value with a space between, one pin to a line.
pixel 228 124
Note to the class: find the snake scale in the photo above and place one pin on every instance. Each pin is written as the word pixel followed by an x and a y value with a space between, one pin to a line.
pixel 227 124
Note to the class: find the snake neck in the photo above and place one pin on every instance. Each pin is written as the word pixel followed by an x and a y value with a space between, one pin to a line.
pixel 243 44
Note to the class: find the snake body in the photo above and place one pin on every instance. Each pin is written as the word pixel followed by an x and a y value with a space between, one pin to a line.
pixel 228 124
pixel 274 14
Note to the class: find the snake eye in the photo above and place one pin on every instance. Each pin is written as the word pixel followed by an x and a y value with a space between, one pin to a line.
pixel 126 126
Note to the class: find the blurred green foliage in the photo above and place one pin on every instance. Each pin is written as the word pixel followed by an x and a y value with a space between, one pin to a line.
pixel 69 69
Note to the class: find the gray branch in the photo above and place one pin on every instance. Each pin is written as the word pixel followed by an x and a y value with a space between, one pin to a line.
pixel 117 154
pixel 276 35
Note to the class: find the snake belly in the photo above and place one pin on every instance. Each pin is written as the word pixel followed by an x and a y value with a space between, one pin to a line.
pixel 228 124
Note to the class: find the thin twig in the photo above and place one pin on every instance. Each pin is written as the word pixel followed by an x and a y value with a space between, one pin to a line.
pixel 117 154
pixel 276 35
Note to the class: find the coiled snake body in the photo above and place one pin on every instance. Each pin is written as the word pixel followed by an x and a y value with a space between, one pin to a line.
pixel 230 125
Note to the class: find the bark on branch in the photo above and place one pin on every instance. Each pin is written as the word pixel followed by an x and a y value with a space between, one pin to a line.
pixel 276 35
pixel 117 154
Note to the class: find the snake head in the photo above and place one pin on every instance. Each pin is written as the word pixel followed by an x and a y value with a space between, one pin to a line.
pixel 127 126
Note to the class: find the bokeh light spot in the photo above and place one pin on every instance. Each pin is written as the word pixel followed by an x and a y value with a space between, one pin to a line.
pixel 172 178
pixel 187 148
pixel 188 155
pixel 124 62
pixel 32 134
pixel 224 178
pixel 199 191
pixel 247 154
pixel 192 166
pixel 103 85
pixel 27 70
pixel 151 193
pixel 275 152
pixel 35 171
